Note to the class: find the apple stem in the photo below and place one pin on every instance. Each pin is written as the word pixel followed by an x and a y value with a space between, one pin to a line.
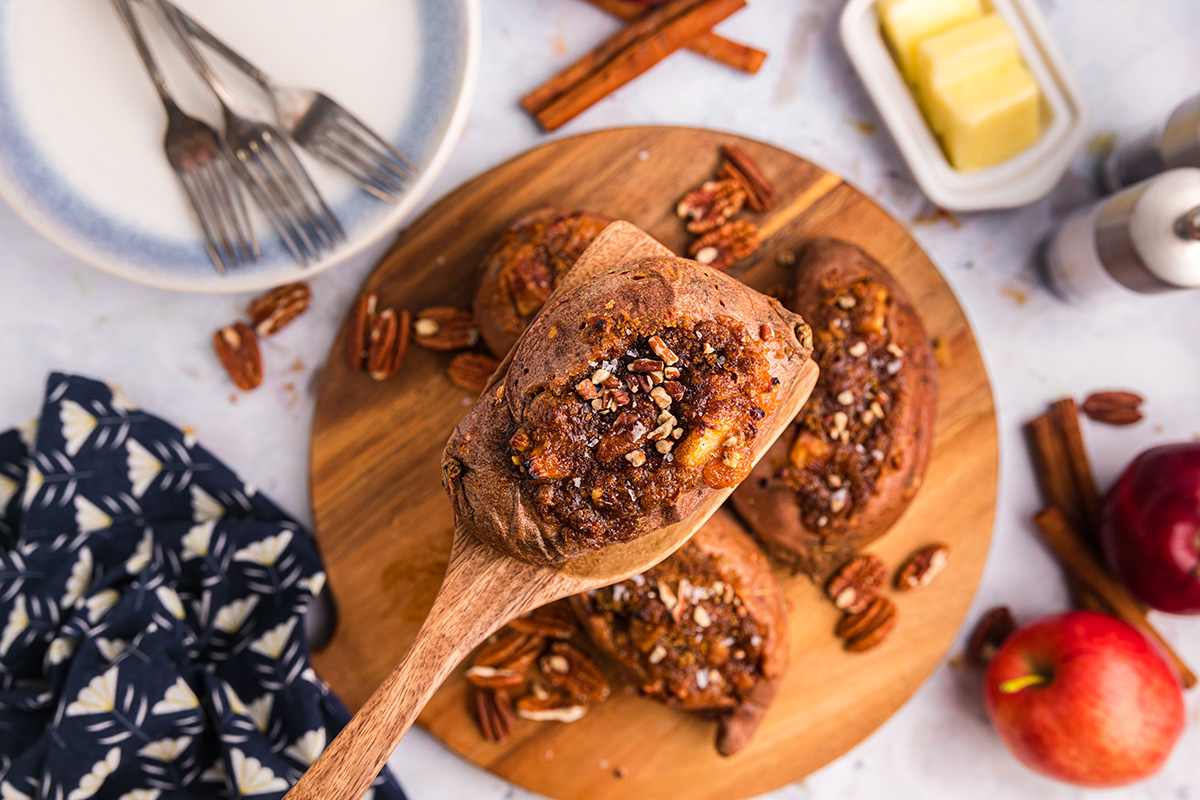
pixel 1013 685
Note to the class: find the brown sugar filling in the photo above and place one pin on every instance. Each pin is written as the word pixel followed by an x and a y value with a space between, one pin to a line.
pixel 684 631
pixel 539 255
pixel 845 441
pixel 655 416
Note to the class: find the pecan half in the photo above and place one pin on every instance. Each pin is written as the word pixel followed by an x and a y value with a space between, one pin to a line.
pixel 494 712
pixel 388 343
pixel 509 649
pixel 728 244
pixel 920 568
pixel 740 166
pixel 358 340
pixel 869 627
pixel 276 309
pixel 1114 408
pixel 494 678
pixel 471 371
pixel 550 707
pixel 445 328
pixel 996 625
pixel 237 349
pixel 553 621
pixel 856 583
pixel 570 670
pixel 711 205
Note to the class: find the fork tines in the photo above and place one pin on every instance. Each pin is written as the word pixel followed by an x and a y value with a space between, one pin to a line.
pixel 349 144
pixel 286 194
pixel 220 210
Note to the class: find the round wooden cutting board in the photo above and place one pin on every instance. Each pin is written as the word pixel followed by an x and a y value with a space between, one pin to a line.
pixel 385 525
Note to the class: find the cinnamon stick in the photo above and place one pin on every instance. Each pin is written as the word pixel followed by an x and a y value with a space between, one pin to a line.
pixel 1064 475
pixel 1052 467
pixel 1066 419
pixel 631 52
pixel 718 48
pixel 1080 561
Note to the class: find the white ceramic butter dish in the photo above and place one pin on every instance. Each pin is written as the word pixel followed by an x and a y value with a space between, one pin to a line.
pixel 1022 179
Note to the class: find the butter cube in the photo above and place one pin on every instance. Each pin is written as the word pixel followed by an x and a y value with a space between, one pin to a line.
pixel 990 117
pixel 907 23
pixel 959 54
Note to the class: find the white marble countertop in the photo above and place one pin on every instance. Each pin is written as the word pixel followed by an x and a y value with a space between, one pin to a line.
pixel 1136 59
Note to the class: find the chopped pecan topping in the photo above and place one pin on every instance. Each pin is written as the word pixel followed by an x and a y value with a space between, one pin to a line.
pixel 662 351
pixel 868 628
pixel 445 328
pixel 275 310
pixel 494 712
pixel 996 625
pixel 740 166
pixel 237 349
pixel 1114 408
pixel 472 371
pixel 725 246
pixel 920 568
pixel 856 583
pixel 570 670
pixel 711 205
pixel 644 365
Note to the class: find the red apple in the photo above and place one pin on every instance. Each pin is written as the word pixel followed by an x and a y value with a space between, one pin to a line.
pixel 1085 698
pixel 1150 527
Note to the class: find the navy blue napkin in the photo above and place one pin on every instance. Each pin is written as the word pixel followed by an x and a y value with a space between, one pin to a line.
pixel 152 641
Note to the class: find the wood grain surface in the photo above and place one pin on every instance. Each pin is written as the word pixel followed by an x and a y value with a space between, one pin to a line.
pixel 385 525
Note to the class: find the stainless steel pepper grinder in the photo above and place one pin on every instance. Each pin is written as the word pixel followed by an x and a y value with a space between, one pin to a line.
pixel 1173 143
pixel 1144 239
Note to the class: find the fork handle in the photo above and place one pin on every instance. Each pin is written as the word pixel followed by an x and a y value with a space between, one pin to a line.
pixel 172 18
pixel 134 28
pixel 204 35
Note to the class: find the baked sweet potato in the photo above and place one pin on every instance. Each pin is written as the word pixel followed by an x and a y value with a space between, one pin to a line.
pixel 630 398
pixel 704 631
pixel 845 472
pixel 523 268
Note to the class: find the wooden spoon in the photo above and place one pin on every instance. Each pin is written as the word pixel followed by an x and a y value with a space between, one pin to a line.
pixel 484 588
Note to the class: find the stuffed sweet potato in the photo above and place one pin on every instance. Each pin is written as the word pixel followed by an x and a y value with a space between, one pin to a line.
pixel 856 455
pixel 704 631
pixel 631 397
pixel 523 268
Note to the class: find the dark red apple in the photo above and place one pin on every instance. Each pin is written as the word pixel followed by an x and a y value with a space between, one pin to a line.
pixel 1150 527
pixel 1085 698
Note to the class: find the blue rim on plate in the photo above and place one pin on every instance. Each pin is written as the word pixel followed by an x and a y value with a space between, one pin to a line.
pixel 38 192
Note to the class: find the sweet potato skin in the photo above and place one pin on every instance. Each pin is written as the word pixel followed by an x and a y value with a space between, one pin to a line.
pixel 648 295
pixel 770 506
pixel 742 563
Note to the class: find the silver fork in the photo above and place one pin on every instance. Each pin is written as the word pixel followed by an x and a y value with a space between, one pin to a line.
pixel 265 162
pixel 203 166
pixel 322 126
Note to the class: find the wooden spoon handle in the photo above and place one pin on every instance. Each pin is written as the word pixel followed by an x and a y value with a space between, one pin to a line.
pixel 483 589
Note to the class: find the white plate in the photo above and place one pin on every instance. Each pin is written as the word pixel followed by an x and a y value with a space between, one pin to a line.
pixel 81 128
pixel 1022 179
